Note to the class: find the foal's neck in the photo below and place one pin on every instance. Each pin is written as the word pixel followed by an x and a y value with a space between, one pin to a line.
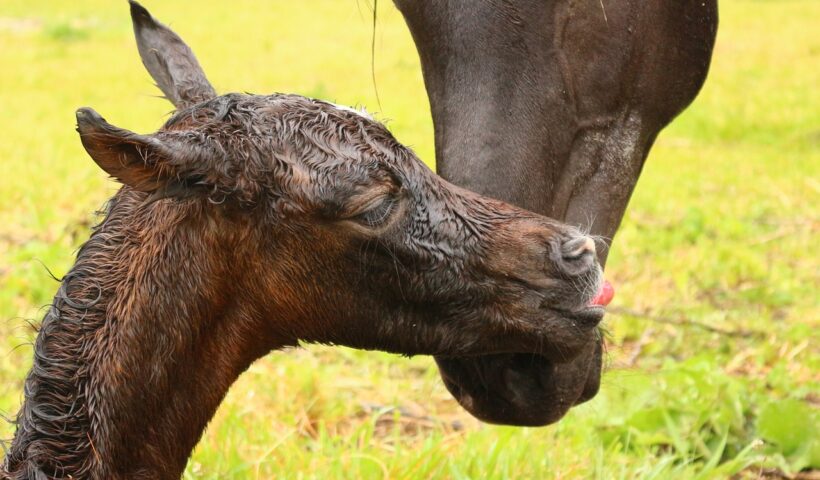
pixel 139 347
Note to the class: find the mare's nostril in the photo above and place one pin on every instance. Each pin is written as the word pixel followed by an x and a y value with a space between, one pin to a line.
pixel 578 248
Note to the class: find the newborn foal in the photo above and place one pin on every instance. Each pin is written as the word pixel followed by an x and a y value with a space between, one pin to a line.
pixel 248 223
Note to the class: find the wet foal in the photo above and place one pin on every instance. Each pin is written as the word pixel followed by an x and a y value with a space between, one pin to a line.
pixel 249 223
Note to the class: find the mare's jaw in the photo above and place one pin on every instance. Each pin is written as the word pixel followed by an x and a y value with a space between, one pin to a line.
pixel 521 389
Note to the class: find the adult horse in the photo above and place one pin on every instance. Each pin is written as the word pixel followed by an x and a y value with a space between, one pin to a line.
pixel 552 106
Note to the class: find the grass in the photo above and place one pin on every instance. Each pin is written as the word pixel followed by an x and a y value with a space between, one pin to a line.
pixel 713 365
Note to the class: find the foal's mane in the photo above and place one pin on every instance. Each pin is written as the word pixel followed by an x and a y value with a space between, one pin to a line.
pixel 56 428
pixel 54 420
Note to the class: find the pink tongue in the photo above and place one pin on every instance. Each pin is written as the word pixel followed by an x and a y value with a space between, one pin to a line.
pixel 604 295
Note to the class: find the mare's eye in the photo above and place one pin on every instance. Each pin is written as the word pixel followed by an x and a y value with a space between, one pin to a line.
pixel 378 214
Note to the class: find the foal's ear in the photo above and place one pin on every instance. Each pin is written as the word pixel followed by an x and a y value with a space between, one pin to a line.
pixel 169 60
pixel 140 161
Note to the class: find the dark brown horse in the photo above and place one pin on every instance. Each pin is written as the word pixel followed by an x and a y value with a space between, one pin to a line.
pixel 552 105
pixel 249 223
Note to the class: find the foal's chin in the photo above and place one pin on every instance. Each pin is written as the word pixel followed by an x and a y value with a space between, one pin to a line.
pixel 522 389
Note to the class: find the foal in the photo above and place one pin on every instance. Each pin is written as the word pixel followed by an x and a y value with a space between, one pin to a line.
pixel 249 223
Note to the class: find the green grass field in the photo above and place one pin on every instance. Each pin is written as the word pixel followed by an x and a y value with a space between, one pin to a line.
pixel 714 360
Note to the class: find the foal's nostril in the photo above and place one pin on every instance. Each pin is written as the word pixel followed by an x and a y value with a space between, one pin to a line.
pixel 577 256
pixel 578 248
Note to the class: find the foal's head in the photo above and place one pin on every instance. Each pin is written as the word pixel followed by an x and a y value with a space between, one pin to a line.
pixel 349 238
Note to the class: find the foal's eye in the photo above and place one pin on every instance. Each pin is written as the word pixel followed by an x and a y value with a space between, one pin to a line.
pixel 378 214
